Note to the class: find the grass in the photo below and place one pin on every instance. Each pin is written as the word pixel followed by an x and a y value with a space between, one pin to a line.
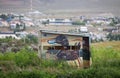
pixel 25 64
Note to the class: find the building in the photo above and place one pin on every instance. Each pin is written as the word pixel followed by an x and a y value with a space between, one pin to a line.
pixel 3 23
pixel 60 22
pixel 65 46
pixel 8 34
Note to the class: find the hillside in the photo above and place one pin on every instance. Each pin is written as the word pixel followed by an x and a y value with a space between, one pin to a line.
pixel 56 5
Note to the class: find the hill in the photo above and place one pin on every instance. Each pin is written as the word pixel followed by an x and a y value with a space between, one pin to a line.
pixel 71 5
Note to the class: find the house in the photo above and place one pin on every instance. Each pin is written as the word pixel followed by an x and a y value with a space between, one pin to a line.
pixel 3 23
pixel 17 25
pixel 102 20
pixel 8 34
pixel 13 24
pixel 29 23
pixel 21 34
pixel 60 22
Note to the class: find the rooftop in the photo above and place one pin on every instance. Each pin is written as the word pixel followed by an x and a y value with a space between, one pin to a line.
pixel 65 33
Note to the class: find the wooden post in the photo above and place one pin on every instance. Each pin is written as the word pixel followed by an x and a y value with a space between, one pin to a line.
pixel 40 44
pixel 86 45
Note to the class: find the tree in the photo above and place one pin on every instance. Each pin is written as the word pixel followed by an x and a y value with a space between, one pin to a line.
pixel 31 39
pixel 115 21
pixel 111 36
pixel 45 22
pixel 4 17
pixel 78 23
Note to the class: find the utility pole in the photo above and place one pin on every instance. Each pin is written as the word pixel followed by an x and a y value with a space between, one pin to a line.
pixel 40 47
pixel 31 5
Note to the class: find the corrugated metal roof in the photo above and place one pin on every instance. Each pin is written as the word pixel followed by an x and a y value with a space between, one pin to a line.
pixel 66 33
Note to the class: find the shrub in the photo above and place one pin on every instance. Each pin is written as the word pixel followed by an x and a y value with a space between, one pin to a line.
pixel 25 58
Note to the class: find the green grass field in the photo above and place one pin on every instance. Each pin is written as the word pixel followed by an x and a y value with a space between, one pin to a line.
pixel 26 64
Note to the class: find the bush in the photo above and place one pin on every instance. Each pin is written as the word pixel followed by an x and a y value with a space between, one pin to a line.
pixel 10 56
pixel 78 23
pixel 25 58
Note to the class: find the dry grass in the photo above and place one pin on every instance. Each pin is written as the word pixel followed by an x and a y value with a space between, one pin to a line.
pixel 112 44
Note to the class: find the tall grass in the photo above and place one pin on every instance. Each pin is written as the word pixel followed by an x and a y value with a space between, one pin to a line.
pixel 26 64
pixel 105 55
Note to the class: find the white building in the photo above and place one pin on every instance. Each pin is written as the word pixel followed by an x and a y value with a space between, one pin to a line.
pixel 82 29
pixel 4 35
pixel 60 22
